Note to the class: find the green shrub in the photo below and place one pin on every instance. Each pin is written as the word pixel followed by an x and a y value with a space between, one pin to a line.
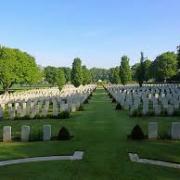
pixel 118 107
pixel 81 108
pixel 64 134
pixel 64 115
pixel 137 133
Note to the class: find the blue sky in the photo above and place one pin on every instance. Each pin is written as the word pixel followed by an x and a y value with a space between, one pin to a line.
pixel 97 31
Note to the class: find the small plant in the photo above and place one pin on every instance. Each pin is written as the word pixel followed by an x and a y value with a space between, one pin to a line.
pixel 113 100
pixel 64 134
pixel 137 133
pixel 81 108
pixel 64 115
pixel 86 101
pixel 118 107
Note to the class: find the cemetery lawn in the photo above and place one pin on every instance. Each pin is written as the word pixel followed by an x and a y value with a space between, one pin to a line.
pixel 99 131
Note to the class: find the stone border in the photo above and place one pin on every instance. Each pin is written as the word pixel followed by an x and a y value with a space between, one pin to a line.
pixel 78 155
pixel 135 158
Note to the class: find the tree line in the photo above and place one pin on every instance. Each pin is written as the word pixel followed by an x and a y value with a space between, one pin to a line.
pixel 18 67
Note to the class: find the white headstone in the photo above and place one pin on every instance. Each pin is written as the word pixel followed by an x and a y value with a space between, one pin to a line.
pixel 175 130
pixel 25 133
pixel 152 130
pixel 46 132
pixel 6 133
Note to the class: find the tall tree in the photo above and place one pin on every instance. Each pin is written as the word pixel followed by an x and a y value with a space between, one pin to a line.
pixel 76 73
pixel 178 56
pixel 141 71
pixel 165 66
pixel 50 75
pixel 60 78
pixel 114 75
pixel 67 73
pixel 86 75
pixel 125 70
pixel 147 69
pixel 17 67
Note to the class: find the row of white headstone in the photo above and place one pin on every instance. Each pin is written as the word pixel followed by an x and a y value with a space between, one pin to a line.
pixel 25 133
pixel 153 130
pixel 154 99
pixel 44 102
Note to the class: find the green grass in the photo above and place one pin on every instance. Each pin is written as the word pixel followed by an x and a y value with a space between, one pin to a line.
pixel 101 132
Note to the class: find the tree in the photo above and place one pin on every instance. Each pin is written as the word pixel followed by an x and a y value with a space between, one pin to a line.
pixel 178 56
pixel 67 73
pixel 147 69
pixel 76 73
pixel 165 66
pixel 60 78
pixel 50 75
pixel 114 75
pixel 17 67
pixel 134 69
pixel 100 74
pixel 86 75
pixel 141 71
pixel 125 70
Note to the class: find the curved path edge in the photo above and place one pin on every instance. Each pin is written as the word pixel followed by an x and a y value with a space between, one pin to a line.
pixel 135 158
pixel 78 155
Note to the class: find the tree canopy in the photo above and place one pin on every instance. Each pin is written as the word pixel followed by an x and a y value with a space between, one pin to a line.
pixel 125 70
pixel 114 75
pixel 76 73
pixel 87 78
pixel 17 67
pixel 165 66
pixel 60 78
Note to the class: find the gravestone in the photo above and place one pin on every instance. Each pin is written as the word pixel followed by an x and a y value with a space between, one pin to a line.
pixel 1 113
pixel 175 130
pixel 46 132
pixel 25 133
pixel 152 130
pixel 6 133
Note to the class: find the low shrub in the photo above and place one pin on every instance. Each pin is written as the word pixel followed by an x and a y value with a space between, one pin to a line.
pixel 118 107
pixel 81 108
pixel 64 115
pixel 64 134
pixel 137 133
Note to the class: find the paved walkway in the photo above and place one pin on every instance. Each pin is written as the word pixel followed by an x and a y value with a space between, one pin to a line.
pixel 78 155
pixel 135 158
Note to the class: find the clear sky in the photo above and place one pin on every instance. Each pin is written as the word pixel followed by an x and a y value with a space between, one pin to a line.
pixel 97 31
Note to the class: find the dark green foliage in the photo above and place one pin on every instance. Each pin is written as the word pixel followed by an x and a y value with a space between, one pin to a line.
pixel 165 66
pixel 50 74
pixel 81 108
pixel 125 71
pixel 147 70
pixel 118 107
pixel 141 71
pixel 64 115
pixel 60 78
pixel 100 74
pixel 64 134
pixel 76 73
pixel 137 133
pixel 87 77
pixel 55 76
pixel 114 75
pixel 86 101
pixel 17 67
pixel 178 57
pixel 67 73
